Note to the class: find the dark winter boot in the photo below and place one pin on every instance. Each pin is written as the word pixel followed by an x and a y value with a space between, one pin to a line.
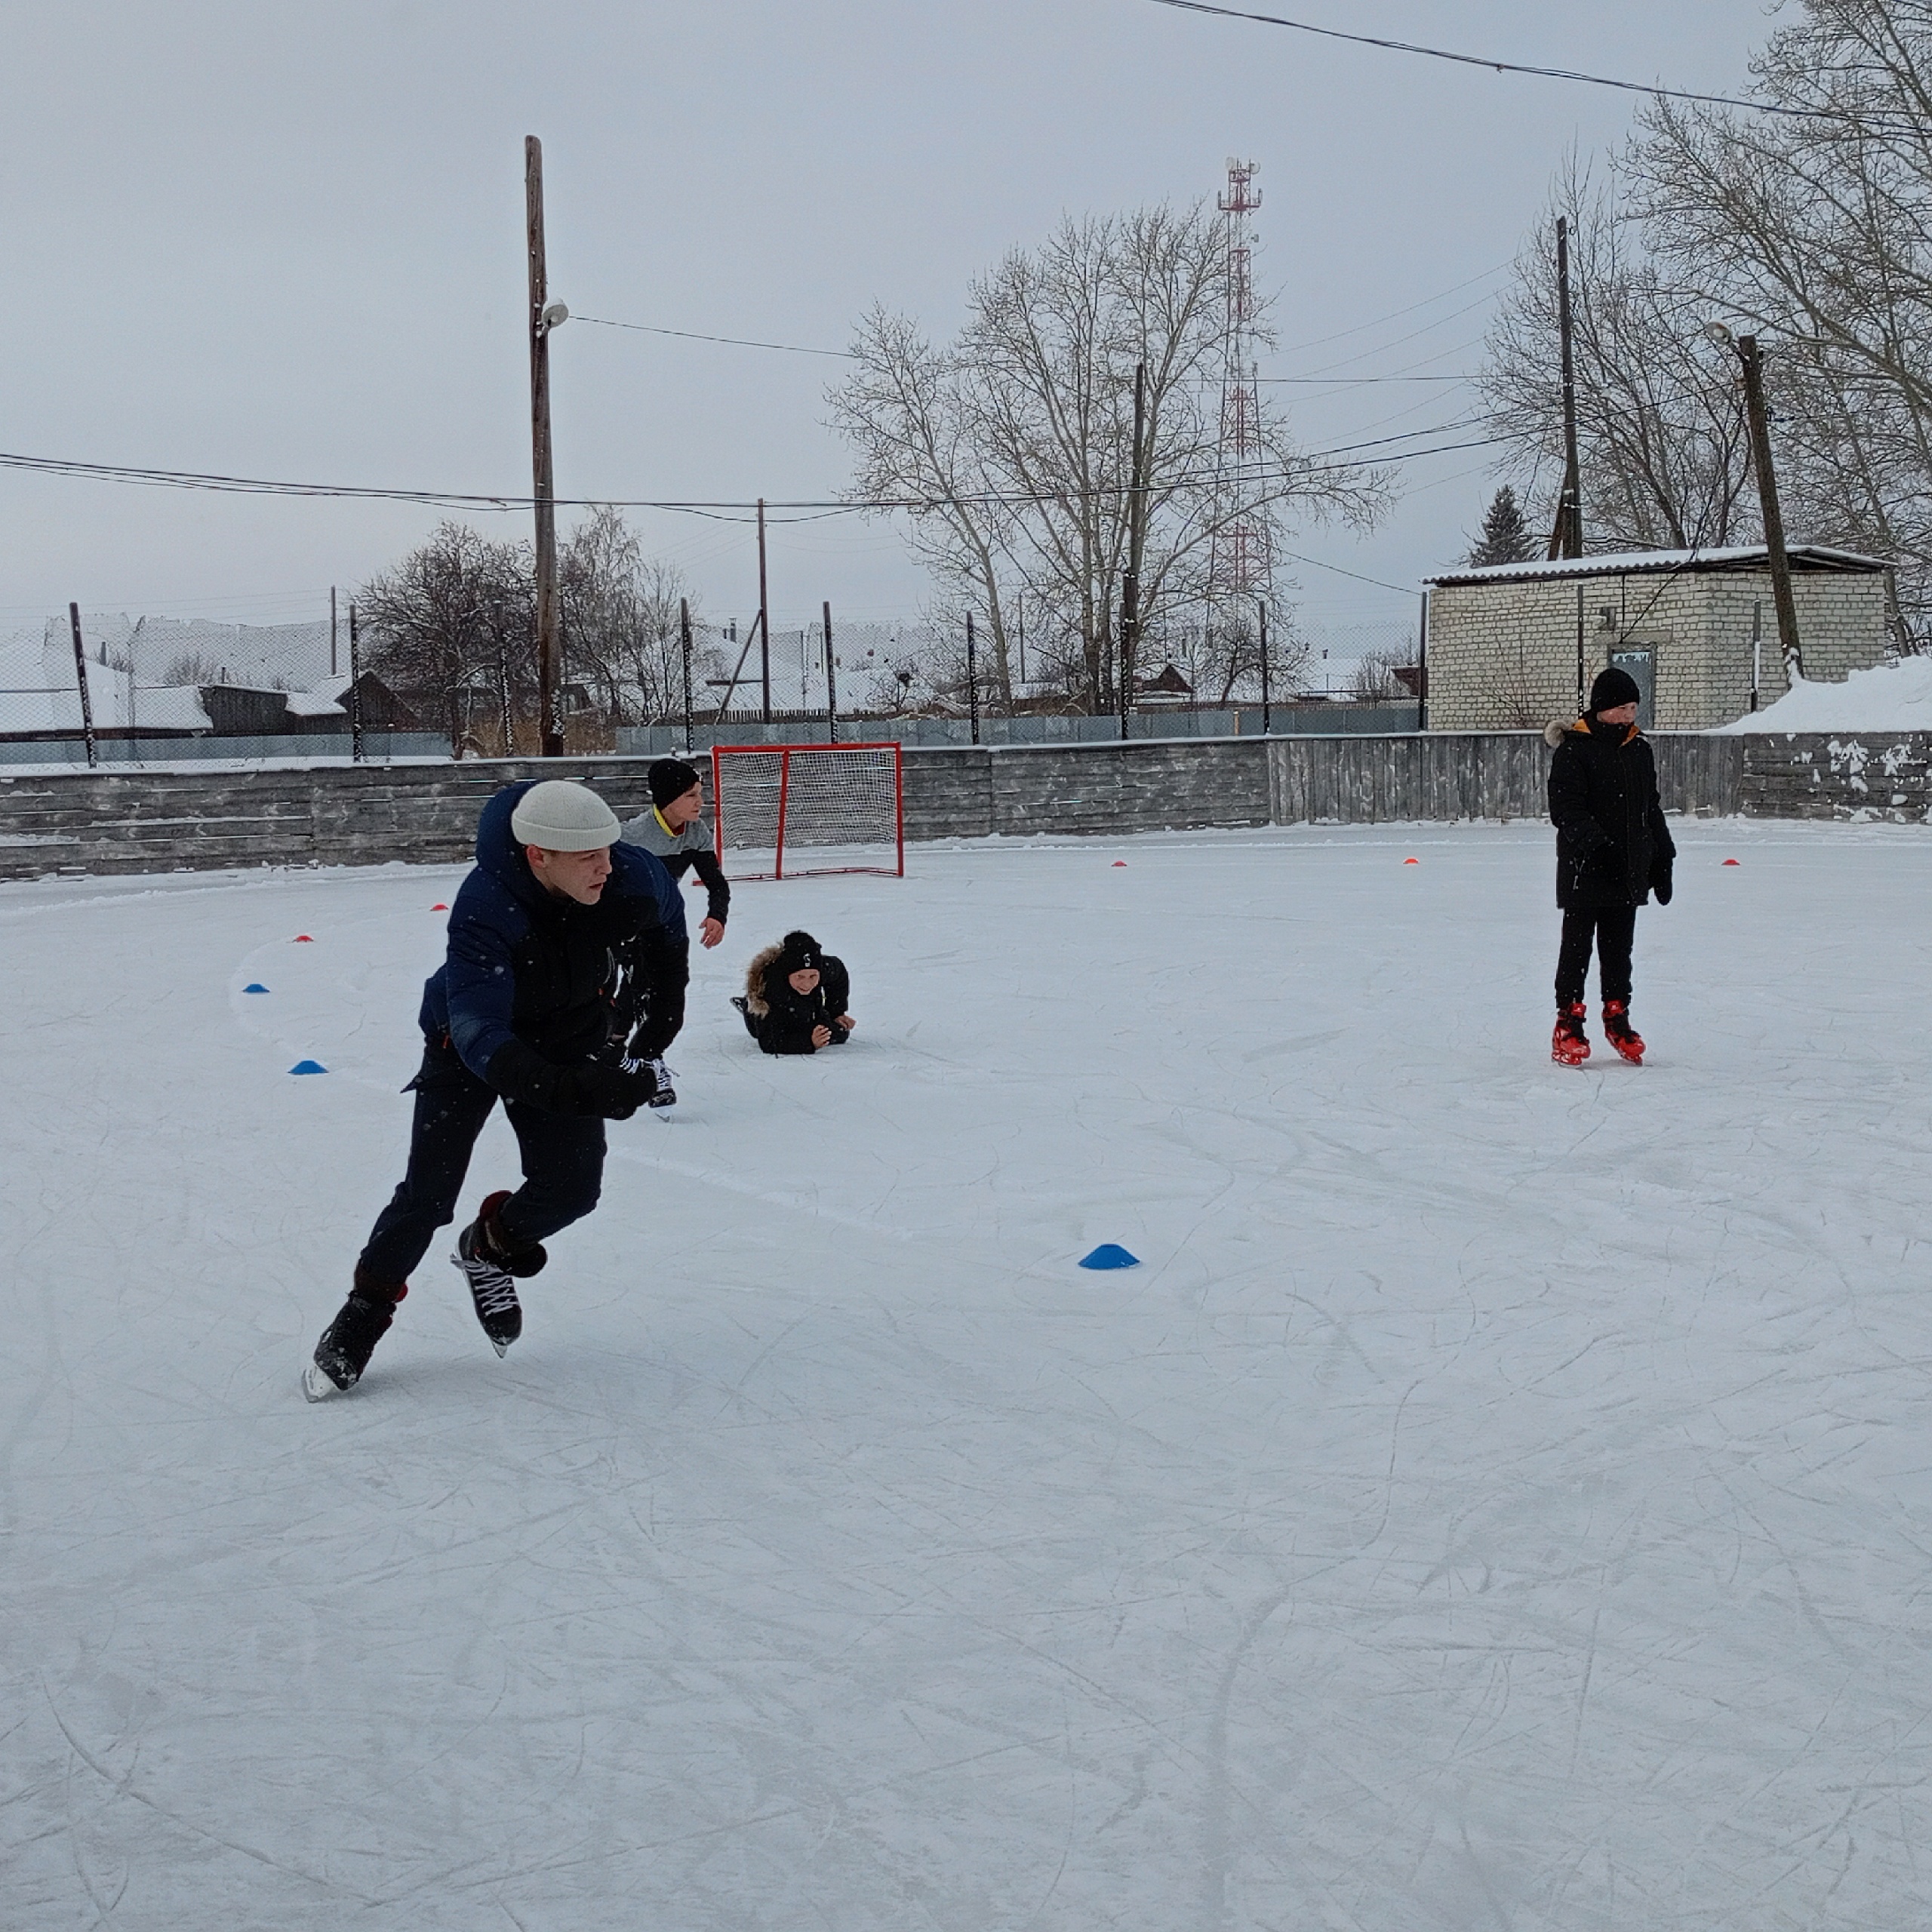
pixel 350 1339
pixel 488 1261
pixel 1569 1045
pixel 1621 1034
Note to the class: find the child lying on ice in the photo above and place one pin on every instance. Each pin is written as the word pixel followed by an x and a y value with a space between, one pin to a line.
pixel 795 996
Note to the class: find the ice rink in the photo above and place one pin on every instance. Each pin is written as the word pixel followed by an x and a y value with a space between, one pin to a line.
pixel 1500 1500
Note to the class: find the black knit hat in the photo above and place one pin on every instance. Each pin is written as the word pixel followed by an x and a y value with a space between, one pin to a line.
pixel 797 953
pixel 1613 687
pixel 670 778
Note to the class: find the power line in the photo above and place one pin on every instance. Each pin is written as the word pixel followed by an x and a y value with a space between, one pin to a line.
pixel 1520 67
pixel 731 341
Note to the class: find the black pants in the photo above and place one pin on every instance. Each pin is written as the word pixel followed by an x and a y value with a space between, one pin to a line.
pixel 1613 928
pixel 563 1167
pixel 662 1019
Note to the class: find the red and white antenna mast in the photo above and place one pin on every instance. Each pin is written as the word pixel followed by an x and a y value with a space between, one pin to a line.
pixel 1240 564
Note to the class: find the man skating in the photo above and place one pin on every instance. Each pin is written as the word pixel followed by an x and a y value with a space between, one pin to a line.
pixel 675 831
pixel 552 938
pixel 1613 849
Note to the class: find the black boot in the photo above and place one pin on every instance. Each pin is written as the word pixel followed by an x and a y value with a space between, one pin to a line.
pixel 350 1339
pixel 488 1261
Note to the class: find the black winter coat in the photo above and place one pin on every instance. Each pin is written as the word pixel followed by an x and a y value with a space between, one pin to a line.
pixel 781 1020
pixel 1612 845
pixel 535 986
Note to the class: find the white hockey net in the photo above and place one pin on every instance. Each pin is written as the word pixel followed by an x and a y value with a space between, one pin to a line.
pixel 786 811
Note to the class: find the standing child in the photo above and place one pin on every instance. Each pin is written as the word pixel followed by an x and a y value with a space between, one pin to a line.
pixel 1613 850
pixel 795 996
pixel 676 832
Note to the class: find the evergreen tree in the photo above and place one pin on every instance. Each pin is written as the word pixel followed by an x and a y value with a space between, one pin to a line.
pixel 1506 537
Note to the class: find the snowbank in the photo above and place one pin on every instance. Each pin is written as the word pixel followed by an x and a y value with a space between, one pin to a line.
pixel 1889 697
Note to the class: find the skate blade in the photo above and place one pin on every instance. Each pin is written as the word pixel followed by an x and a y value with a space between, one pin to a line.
pixel 317 1386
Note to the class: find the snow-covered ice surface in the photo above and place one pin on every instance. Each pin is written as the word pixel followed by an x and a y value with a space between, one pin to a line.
pixel 1887 697
pixel 1500 1500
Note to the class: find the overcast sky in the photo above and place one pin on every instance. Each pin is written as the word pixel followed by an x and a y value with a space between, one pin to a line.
pixel 286 241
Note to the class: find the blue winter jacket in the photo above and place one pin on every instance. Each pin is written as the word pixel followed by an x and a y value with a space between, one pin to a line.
pixel 534 985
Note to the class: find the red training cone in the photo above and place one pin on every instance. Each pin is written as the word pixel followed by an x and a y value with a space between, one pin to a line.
pixel 439 907
pixel 1412 862
pixel 304 939
pixel 1731 861
pixel 1120 862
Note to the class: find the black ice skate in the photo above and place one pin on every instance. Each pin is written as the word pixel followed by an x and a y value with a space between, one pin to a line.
pixel 349 1341
pixel 488 1263
pixel 666 1095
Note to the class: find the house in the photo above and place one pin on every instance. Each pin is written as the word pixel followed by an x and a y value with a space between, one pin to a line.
pixel 244 711
pixel 1510 646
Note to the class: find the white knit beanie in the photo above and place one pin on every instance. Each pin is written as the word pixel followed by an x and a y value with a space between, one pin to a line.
pixel 563 817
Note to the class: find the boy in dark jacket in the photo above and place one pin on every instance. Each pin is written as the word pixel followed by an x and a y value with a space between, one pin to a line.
pixel 1613 850
pixel 794 997
pixel 551 939
pixel 675 831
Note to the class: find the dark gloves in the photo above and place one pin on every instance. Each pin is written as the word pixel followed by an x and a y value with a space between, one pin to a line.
pixel 519 1073
pixel 615 1092
pixel 1661 884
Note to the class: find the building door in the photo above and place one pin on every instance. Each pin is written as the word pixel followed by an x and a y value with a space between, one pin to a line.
pixel 1640 661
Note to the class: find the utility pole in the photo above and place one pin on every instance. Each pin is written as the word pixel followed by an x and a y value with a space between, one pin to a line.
pixel 972 679
pixel 1768 501
pixel 1566 539
pixel 764 620
pixel 1267 721
pixel 543 318
pixel 831 685
pixel 354 693
pixel 1129 593
pixel 684 639
pixel 87 700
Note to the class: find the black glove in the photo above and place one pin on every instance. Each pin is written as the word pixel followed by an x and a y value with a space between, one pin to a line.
pixel 1661 884
pixel 615 1092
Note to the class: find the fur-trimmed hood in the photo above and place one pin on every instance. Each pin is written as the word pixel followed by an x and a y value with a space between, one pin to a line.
pixel 1555 731
pixel 761 962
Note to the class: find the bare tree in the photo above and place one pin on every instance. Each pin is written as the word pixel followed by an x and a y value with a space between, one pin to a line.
pixel 1375 682
pixel 1011 450
pixel 452 625
pixel 1816 232
pixel 1661 442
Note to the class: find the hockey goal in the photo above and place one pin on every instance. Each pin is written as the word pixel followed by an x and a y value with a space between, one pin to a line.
pixel 792 810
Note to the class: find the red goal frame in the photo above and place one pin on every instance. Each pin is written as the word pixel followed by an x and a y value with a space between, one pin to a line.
pixel 719 753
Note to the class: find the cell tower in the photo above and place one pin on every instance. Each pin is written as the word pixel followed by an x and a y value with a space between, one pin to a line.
pixel 1240 564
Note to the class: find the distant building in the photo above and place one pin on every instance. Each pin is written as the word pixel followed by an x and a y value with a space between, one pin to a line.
pixel 1697 630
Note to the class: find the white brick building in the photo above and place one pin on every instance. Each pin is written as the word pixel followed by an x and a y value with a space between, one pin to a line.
pixel 1697 629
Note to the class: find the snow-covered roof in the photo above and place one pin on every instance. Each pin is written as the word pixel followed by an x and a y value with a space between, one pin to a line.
pixel 1630 563
pixel 314 704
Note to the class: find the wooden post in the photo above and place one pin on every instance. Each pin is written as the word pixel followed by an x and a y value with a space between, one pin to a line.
pixel 549 644
pixel 764 621
pixel 1757 648
pixel 354 692
pixel 1566 540
pixel 1130 593
pixel 831 685
pixel 331 630
pixel 684 639
pixel 972 679
pixel 81 675
pixel 1020 599
pixel 1782 599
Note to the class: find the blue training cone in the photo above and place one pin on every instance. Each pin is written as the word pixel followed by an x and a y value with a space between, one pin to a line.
pixel 1109 1254
pixel 256 987
pixel 308 1067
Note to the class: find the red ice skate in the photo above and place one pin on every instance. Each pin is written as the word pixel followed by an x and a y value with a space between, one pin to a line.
pixel 1569 1045
pixel 1621 1034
